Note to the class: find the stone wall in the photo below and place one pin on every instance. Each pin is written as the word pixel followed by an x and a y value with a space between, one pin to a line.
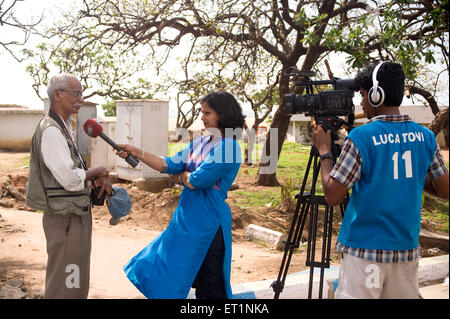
pixel 17 127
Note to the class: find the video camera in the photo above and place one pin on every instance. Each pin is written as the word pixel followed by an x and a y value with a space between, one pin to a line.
pixel 324 106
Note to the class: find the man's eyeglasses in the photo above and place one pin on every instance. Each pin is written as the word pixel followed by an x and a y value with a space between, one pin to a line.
pixel 75 94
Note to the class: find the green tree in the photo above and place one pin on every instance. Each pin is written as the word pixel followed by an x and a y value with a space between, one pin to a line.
pixel 112 74
pixel 238 41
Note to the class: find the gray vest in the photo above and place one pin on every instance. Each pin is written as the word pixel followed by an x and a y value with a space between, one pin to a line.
pixel 43 192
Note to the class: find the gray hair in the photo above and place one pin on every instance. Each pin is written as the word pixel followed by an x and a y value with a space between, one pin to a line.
pixel 58 82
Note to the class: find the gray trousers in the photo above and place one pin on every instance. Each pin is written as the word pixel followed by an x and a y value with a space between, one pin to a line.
pixel 69 250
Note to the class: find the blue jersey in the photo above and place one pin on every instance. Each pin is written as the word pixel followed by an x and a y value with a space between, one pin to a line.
pixel 384 211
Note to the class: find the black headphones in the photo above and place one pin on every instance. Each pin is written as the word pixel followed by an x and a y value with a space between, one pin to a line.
pixel 376 93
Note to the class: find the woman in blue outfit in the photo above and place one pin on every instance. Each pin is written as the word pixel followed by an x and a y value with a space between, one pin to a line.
pixel 195 248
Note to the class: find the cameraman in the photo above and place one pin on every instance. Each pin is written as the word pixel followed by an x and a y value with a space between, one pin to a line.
pixel 387 163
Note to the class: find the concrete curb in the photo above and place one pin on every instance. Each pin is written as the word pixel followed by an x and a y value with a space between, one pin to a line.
pixel 297 284
pixel 433 268
pixel 272 238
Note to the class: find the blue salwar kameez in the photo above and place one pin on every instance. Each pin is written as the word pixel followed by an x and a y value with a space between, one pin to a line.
pixel 167 267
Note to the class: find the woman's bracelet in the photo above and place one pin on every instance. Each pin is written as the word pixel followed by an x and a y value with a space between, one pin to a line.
pixel 188 184
pixel 143 154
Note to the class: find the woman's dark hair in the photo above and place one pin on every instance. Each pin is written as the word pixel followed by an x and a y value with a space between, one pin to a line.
pixel 390 77
pixel 228 109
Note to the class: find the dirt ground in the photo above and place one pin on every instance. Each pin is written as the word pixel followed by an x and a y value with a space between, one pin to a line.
pixel 150 214
pixel 23 255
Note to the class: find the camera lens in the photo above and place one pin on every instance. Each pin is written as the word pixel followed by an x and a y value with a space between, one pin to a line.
pixel 304 103
pixel 347 84
pixel 289 101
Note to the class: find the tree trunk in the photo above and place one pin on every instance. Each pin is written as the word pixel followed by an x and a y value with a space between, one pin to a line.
pixel 427 96
pixel 440 123
pixel 279 126
pixel 281 120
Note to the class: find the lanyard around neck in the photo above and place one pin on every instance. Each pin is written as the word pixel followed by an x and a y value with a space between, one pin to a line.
pixel 63 126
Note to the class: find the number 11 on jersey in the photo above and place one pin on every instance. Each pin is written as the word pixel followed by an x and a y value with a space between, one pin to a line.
pixel 408 164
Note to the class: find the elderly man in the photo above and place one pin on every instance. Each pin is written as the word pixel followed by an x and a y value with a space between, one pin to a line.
pixel 60 185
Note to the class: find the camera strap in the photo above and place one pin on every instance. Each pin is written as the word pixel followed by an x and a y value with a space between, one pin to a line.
pixel 63 126
pixel 94 192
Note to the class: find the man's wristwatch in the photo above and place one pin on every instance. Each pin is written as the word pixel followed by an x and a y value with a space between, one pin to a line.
pixel 326 155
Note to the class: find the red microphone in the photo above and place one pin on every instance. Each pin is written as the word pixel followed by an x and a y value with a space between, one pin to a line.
pixel 94 129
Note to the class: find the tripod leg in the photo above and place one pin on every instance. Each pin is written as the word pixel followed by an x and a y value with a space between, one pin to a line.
pixel 292 241
pixel 324 249
pixel 296 229
pixel 312 236
pixel 309 205
pixel 326 245
pixel 311 251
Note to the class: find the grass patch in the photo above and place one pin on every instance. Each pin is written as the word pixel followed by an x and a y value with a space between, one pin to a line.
pixel 291 169
pixel 261 198
pixel 21 162
pixel 175 148
pixel 25 161
pixel 292 166
pixel 435 210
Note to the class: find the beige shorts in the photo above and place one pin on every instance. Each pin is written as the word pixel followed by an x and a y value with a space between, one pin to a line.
pixel 365 279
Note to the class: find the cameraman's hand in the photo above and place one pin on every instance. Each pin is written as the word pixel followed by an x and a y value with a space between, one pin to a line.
pixel 321 140
pixel 333 190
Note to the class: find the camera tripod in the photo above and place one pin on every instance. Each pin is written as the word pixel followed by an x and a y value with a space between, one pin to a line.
pixel 308 204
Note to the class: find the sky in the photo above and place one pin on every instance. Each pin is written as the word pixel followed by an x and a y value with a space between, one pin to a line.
pixel 16 84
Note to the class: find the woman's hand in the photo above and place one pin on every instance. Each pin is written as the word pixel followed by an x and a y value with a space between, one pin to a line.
pixel 175 178
pixel 129 149
pixel 149 159
pixel 181 178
